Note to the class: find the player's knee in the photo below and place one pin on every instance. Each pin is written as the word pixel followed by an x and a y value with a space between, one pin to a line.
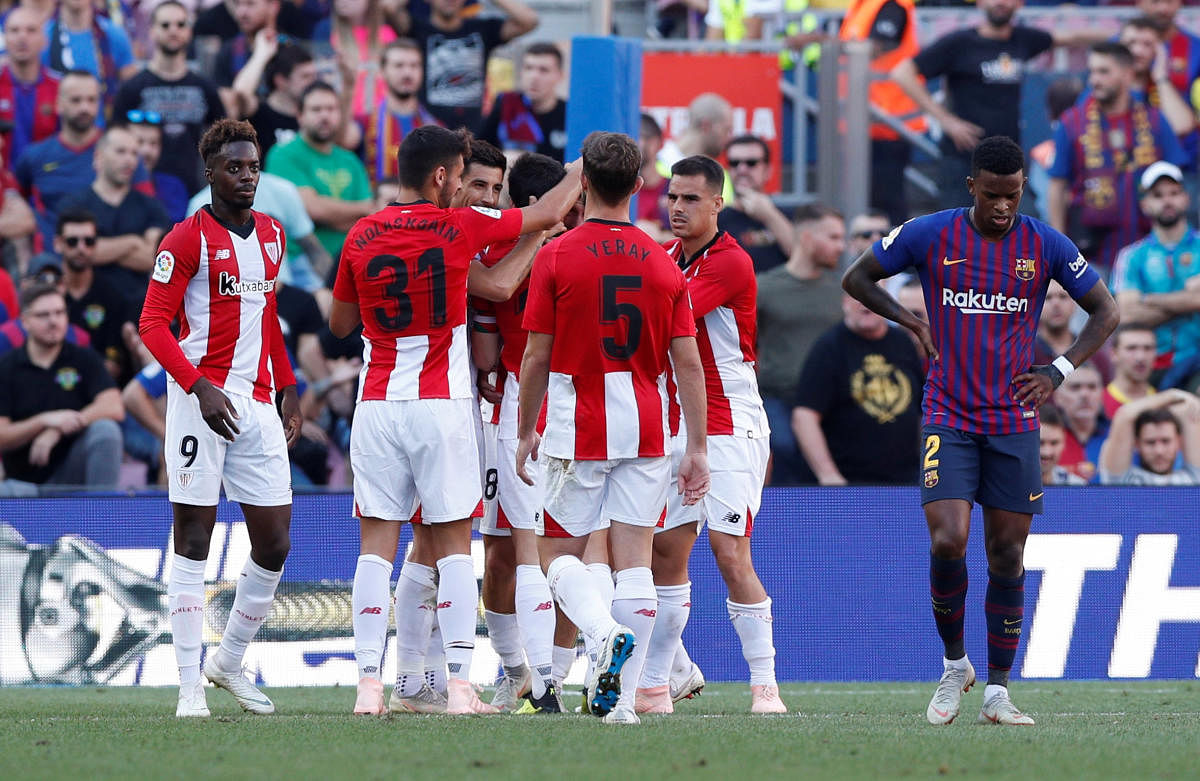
pixel 947 545
pixel 273 554
pixel 1005 558
pixel 192 543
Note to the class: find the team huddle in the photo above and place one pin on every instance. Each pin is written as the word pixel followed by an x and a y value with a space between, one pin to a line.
pixel 621 414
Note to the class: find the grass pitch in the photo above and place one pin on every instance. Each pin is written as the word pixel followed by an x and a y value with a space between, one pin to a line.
pixel 1094 729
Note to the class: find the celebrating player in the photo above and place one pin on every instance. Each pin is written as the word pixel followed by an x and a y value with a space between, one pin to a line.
pixel 606 308
pixel 403 275
pixel 216 272
pixel 721 284
pixel 985 271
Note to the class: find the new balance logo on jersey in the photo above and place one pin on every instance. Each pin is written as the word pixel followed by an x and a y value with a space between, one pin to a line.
pixel 647 612
pixel 972 302
pixel 371 611
pixel 543 606
pixel 222 254
pixel 229 285
pixel 732 518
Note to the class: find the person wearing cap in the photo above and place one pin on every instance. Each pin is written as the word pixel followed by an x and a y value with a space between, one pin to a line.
pixel 1157 279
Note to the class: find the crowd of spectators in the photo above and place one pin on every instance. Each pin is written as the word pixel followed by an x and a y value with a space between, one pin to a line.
pixel 102 104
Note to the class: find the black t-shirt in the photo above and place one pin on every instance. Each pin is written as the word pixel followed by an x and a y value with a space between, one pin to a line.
pixel 136 214
pixel 102 312
pixel 298 314
pixel 983 75
pixel 187 106
pixel 456 68
pixel 73 381
pixel 755 238
pixel 272 127
pixel 553 126
pixel 868 394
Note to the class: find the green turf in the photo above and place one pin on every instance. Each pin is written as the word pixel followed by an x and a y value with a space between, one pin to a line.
pixel 1101 730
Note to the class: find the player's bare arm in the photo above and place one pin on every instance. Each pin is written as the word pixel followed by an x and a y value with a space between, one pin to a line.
pixel 344 317
pixel 501 281
pixel 535 376
pixel 1035 386
pixel 554 205
pixel 689 375
pixel 862 282
pixel 485 354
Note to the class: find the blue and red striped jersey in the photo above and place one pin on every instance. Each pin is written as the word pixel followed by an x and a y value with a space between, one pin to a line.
pixel 984 299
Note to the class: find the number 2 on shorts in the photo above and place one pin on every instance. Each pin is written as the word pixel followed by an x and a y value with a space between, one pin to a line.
pixel 933 443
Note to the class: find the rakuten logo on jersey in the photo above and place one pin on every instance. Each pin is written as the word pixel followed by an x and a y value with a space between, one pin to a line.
pixel 229 285
pixel 972 302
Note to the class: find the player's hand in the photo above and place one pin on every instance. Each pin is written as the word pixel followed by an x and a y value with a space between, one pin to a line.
pixel 1034 387
pixel 965 135
pixel 293 421
pixel 65 421
pixel 486 389
pixel 216 409
pixel 42 445
pixel 693 477
pixel 925 337
pixel 527 447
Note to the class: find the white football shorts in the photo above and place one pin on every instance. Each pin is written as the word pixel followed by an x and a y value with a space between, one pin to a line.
pixel 583 496
pixel 738 468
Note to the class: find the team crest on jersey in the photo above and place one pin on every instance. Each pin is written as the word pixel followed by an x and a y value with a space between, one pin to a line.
pixel 164 265
pixel 93 315
pixel 185 479
pixel 485 211
pixel 1025 268
pixel 272 248
pixel 67 378
pixel 931 478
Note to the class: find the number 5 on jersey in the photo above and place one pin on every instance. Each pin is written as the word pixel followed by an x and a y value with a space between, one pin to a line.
pixel 625 315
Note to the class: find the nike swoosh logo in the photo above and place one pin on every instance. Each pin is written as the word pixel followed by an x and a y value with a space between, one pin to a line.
pixel 948 262
pixel 942 713
pixel 1035 497
pixel 1010 623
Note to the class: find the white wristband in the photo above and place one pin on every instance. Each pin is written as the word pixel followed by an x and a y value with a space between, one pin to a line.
pixel 1063 365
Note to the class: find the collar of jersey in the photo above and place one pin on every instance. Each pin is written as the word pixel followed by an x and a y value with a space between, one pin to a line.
pixel 686 262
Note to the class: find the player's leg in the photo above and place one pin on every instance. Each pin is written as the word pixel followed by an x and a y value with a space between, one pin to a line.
pixel 950 481
pixel 597 560
pixel 566 637
pixel 1010 492
pixel 369 605
pixel 416 617
pixel 536 616
pixel 500 613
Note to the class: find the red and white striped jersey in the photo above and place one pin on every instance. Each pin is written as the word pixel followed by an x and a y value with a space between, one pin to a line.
pixel 406 268
pixel 724 292
pixel 221 286
pixel 613 300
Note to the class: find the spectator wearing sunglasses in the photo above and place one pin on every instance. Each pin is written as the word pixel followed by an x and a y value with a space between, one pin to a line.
pixel 750 217
pixel 866 229
pixel 168 94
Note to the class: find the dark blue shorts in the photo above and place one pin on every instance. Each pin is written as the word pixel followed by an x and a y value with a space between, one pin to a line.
pixel 1001 471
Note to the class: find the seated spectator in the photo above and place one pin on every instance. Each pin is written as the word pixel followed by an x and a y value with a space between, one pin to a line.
pixel 59 409
pixel 1133 362
pixel 1054 438
pixel 167 189
pixel 797 302
pixel 333 183
pixel 286 75
pixel 17 227
pixel 398 113
pixel 751 217
pixel 1081 400
pixel 652 198
pixel 1151 74
pixel 27 87
pixel 82 40
pixel 1157 279
pixel 44 269
pixel 129 222
pixel 535 118
pixel 861 383
pixel 1155 429
pixel 256 28
pixel 168 94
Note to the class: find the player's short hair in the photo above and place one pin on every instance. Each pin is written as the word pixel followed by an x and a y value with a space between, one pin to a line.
pixel 650 126
pixel 1118 51
pixel 37 289
pixel 611 162
pixel 398 45
pixel 999 155
pixel 699 165
pixel 1144 22
pixel 1152 416
pixel 75 215
pixel 1132 327
pixel 1050 415
pixel 315 87
pixel 808 213
pixel 750 138
pixel 544 49
pixel 426 149
pixel 288 57
pixel 223 132
pixel 487 155
pixel 533 174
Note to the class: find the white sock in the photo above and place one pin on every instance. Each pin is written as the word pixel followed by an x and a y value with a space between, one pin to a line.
pixel 602 579
pixel 674 607
pixel 435 657
pixel 251 604
pixel 185 603
pixel 564 659
pixel 505 634
pixel 458 597
pixel 369 601
pixel 415 605
pixel 682 665
pixel 535 614
pixel 753 625
pixel 575 591
pixel 635 604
